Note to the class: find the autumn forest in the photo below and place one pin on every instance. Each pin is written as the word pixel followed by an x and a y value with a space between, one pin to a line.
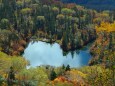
pixel 71 26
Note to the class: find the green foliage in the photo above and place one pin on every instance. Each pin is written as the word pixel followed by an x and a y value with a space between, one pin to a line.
pixel 60 16
pixel 11 76
pixel 1 80
pixel 72 25
pixel 26 11
pixel 41 18
pixel 56 10
pixel 63 66
pixel 67 68
pixel 27 18
pixel 4 23
pixel 65 42
pixel 19 4
pixel 97 75
pixel 66 11
pixel 37 76
pixel 53 75
pixel 18 63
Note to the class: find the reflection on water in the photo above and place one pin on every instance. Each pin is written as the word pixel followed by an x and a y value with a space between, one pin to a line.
pixel 41 53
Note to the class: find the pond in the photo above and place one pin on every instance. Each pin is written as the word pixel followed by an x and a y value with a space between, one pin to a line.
pixel 41 53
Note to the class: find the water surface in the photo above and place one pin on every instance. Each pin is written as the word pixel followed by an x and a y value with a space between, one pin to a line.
pixel 41 53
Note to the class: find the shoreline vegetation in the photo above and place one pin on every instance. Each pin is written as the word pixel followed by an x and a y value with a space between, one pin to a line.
pixel 72 26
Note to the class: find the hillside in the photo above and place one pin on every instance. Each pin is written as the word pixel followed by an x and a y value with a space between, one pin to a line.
pixel 71 26
pixel 95 4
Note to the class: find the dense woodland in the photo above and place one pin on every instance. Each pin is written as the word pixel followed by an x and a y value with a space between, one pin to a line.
pixel 70 25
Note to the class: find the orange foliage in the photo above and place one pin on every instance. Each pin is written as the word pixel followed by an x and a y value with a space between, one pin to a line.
pixel 74 77
pixel 21 48
pixel 60 79
pixel 22 42
pixel 15 53
pixel 71 5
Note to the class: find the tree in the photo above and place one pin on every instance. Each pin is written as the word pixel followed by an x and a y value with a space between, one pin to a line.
pixel 63 66
pixel 11 77
pixel 60 19
pixel 5 39
pixel 19 4
pixel 40 22
pixel 55 10
pixel 53 75
pixel 72 42
pixel 65 42
pixel 26 11
pixel 67 11
pixel 4 23
pixel 67 68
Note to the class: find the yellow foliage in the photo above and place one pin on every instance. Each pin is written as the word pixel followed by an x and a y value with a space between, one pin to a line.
pixel 76 72
pixel 6 61
pixel 5 75
pixel 4 84
pixel 0 48
pixel 106 26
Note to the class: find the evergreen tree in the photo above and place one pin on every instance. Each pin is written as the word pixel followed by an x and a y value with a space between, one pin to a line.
pixel 53 75
pixel 11 77
pixel 65 42
pixel 67 68
pixel 63 66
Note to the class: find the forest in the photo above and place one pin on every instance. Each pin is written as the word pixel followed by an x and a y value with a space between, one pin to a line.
pixel 71 26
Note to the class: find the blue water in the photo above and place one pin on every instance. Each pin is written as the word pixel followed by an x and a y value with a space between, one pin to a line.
pixel 41 53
